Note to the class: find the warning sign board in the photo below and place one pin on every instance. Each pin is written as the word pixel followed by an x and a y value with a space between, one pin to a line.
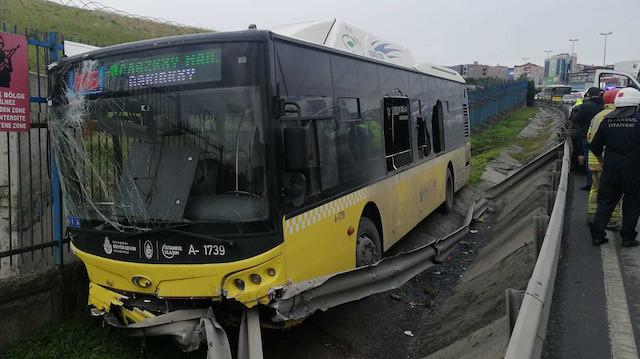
pixel 14 83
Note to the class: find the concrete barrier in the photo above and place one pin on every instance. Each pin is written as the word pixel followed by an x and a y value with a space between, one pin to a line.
pixel 30 301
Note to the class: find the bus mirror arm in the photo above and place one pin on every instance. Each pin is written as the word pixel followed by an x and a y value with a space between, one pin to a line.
pixel 280 108
pixel 279 105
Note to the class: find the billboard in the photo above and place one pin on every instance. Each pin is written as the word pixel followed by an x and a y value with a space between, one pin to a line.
pixel 14 83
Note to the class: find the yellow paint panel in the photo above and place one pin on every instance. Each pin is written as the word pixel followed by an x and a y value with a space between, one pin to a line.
pixel 316 241
pixel 169 280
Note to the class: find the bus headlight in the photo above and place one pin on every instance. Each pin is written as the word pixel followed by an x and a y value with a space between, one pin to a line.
pixel 255 279
pixel 239 284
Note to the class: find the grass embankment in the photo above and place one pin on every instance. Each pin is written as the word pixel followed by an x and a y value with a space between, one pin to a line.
pixel 96 26
pixel 487 144
pixel 101 27
pixel 81 336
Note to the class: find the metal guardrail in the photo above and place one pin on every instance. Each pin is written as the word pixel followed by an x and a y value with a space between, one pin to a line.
pixel 482 204
pixel 302 299
pixel 530 328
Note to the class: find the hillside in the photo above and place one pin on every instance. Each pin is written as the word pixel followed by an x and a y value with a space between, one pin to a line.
pixel 101 27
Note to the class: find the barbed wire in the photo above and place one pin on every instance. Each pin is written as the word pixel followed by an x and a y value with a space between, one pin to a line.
pixel 96 6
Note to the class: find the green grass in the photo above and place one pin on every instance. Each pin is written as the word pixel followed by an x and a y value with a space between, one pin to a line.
pixel 81 336
pixel 95 26
pixel 490 141
pixel 531 146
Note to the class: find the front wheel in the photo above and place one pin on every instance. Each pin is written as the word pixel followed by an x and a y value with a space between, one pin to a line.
pixel 368 244
pixel 447 206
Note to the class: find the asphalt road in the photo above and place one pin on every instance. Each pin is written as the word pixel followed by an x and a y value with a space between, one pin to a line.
pixel 589 316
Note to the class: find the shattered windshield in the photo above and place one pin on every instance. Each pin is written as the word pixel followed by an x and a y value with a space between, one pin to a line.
pixel 170 135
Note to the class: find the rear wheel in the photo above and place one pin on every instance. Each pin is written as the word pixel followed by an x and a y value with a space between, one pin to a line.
pixel 368 244
pixel 447 206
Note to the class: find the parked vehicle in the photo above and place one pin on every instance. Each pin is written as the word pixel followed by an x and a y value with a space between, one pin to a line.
pixel 569 99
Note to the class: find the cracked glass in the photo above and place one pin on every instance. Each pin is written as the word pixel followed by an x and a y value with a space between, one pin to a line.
pixel 172 135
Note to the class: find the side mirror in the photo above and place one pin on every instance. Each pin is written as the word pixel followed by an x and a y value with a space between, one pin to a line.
pixel 296 141
pixel 295 188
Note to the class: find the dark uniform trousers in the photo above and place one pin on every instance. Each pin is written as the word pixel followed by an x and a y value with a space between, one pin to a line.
pixel 619 136
pixel 617 181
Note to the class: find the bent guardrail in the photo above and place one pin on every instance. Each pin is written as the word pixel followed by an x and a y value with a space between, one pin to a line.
pixel 530 328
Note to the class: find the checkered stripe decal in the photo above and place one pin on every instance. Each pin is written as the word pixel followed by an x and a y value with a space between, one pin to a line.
pixel 306 219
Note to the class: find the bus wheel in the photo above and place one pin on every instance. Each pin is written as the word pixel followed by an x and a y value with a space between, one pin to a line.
pixel 368 245
pixel 447 206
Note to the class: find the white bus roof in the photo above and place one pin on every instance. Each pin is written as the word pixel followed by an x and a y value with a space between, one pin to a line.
pixel 339 35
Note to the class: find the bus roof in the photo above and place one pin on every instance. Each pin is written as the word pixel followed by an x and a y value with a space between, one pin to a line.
pixel 259 35
pixel 337 34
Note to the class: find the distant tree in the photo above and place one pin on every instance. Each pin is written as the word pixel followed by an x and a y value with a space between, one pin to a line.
pixel 531 92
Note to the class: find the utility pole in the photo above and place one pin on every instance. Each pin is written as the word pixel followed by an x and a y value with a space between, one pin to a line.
pixel 604 57
pixel 573 42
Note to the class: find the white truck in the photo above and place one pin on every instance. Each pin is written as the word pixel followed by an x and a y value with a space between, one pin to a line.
pixel 632 67
pixel 606 79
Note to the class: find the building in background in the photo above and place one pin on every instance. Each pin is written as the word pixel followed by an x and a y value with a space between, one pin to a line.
pixel 510 73
pixel 478 71
pixel 584 75
pixel 558 67
pixel 531 72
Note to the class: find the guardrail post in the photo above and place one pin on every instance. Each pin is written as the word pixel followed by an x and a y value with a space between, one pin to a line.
pixel 541 223
pixel 514 301
pixel 551 199
pixel 555 180
pixel 558 165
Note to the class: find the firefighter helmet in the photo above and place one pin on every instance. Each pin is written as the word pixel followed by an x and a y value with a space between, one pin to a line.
pixel 610 96
pixel 627 97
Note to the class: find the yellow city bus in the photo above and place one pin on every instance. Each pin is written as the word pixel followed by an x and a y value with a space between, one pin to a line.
pixel 554 93
pixel 212 169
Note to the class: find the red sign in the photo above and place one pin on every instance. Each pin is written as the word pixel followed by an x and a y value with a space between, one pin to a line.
pixel 14 83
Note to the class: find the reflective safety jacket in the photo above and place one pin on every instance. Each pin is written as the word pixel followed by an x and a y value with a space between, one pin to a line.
pixel 375 132
pixel 621 136
pixel 594 164
pixel 578 102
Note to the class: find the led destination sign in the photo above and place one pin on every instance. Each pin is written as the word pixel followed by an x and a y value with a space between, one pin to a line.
pixel 177 68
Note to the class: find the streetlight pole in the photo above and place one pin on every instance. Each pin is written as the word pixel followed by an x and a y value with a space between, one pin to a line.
pixel 604 57
pixel 573 42
pixel 548 51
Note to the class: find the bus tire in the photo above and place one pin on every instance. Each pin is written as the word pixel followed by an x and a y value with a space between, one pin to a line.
pixel 447 206
pixel 368 244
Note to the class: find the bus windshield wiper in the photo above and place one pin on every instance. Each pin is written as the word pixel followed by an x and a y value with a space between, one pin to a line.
pixel 173 229
pixel 215 240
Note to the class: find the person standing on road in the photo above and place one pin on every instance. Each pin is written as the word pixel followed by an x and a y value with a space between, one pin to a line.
pixel 619 136
pixel 591 105
pixel 594 165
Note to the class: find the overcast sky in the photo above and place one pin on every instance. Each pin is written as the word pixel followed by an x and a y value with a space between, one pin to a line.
pixel 445 32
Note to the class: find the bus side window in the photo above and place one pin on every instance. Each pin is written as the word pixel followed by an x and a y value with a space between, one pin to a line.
pixel 396 133
pixel 348 108
pixel 438 128
pixel 424 143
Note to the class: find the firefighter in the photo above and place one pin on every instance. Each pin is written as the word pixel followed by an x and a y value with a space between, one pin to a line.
pixel 619 136
pixel 590 107
pixel 594 164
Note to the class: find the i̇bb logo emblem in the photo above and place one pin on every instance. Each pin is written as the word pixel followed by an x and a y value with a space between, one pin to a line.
pixel 108 248
pixel 148 249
